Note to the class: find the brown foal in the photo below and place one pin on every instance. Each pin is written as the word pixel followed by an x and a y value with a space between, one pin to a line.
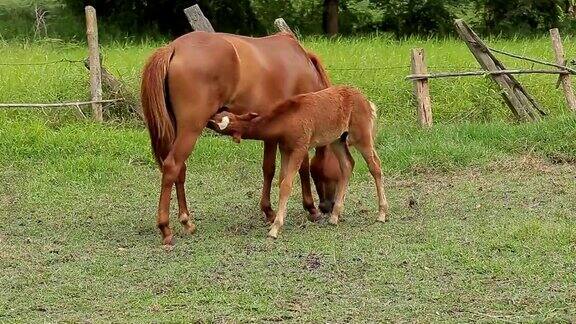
pixel 333 117
pixel 187 81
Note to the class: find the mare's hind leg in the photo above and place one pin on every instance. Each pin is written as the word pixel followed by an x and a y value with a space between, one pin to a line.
pixel 171 167
pixel 307 199
pixel 371 157
pixel 268 168
pixel 183 213
pixel 341 151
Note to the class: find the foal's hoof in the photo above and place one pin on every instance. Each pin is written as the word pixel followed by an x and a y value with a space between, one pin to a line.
pixel 333 220
pixel 273 233
pixel 382 218
pixel 190 228
pixel 168 240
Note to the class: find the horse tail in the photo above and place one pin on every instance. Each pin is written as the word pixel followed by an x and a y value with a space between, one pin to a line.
pixel 320 69
pixel 157 110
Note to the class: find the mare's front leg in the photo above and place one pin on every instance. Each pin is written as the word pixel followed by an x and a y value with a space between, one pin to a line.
pixel 307 198
pixel 340 149
pixel 291 162
pixel 268 168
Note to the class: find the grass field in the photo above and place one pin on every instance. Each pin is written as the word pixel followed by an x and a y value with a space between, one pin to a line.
pixel 494 241
pixel 482 223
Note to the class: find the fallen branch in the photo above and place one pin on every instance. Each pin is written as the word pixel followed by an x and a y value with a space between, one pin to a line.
pixel 61 104
pixel 476 73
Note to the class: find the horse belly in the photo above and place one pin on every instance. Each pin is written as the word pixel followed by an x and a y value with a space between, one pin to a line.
pixel 326 138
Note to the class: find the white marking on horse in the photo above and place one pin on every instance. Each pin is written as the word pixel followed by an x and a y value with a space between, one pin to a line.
pixel 224 123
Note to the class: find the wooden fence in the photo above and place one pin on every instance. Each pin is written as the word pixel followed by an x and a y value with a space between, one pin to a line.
pixel 521 103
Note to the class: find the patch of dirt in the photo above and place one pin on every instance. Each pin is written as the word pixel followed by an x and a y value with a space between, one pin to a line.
pixel 312 262
pixel 561 158
pixel 6 199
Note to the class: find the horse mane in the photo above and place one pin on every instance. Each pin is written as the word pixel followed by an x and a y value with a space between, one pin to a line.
pixel 319 68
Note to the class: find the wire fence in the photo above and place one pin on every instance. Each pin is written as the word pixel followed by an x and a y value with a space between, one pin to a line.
pixel 64 60
pixel 331 68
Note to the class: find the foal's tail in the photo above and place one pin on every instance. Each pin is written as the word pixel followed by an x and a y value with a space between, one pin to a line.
pixel 374 111
pixel 157 111
pixel 320 68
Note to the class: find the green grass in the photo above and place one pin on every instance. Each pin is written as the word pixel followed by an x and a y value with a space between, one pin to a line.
pixel 454 100
pixel 491 236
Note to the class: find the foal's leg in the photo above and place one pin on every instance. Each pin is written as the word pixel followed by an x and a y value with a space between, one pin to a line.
pixel 307 199
pixel 371 157
pixel 341 151
pixel 171 167
pixel 183 213
pixel 268 168
pixel 290 163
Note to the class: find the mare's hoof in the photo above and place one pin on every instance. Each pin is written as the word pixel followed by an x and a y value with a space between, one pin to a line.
pixel 269 217
pixel 190 228
pixel 382 218
pixel 315 216
pixel 326 207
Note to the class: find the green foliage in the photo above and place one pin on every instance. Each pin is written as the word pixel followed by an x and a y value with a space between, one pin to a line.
pixel 18 20
pixel 522 15
pixel 167 16
pixel 161 18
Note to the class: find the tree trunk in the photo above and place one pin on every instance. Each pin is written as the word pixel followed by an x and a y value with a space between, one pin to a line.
pixel 330 17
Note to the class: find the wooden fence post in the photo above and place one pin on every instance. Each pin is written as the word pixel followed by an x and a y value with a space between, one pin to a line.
pixel 94 60
pixel 522 104
pixel 197 19
pixel 561 60
pixel 282 26
pixel 421 88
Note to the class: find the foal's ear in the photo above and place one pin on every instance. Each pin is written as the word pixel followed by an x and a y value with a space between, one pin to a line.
pixel 212 124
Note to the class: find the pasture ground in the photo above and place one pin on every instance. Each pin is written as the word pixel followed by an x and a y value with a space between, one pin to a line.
pixel 487 235
pixel 482 223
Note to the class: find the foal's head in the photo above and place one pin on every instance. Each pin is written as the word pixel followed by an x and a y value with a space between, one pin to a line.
pixel 227 123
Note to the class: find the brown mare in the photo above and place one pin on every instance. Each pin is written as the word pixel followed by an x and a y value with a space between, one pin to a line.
pixel 187 81
pixel 336 116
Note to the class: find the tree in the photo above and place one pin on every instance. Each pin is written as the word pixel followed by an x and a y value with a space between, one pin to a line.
pixel 523 15
pixel 167 16
pixel 330 17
